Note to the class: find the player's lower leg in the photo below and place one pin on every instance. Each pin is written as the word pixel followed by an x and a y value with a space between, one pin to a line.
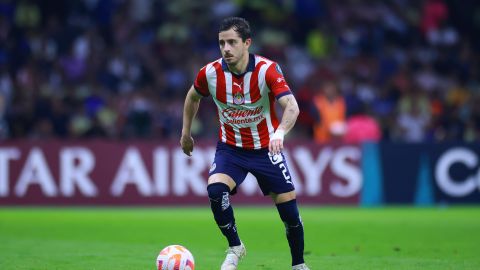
pixel 294 228
pixel 219 195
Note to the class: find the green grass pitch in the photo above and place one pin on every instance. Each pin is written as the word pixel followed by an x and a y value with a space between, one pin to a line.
pixel 336 238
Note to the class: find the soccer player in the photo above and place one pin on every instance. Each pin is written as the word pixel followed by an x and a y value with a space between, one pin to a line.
pixel 244 87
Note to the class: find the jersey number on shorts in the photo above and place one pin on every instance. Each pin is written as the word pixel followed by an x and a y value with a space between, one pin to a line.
pixel 278 159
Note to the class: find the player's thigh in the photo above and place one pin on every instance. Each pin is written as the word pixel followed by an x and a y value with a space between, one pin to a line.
pixel 222 178
pixel 272 174
pixel 228 167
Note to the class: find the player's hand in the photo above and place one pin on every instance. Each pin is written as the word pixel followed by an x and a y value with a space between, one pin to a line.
pixel 276 142
pixel 186 141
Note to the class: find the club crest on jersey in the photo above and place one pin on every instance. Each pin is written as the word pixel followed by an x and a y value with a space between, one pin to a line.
pixel 238 98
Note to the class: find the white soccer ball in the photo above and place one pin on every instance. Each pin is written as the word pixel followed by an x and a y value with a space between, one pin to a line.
pixel 175 257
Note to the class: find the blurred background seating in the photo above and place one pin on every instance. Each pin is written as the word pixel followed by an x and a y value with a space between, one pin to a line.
pixel 120 69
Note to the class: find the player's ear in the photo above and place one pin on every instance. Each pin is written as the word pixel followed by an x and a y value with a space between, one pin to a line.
pixel 248 42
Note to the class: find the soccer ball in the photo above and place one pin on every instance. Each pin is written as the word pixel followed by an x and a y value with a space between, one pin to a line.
pixel 175 257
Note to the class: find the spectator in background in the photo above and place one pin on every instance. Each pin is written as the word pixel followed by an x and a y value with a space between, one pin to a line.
pixel 413 123
pixel 362 127
pixel 375 49
pixel 3 124
pixel 27 15
pixel 473 124
pixel 330 111
pixel 434 13
pixel 139 116
pixel 6 89
pixel 414 116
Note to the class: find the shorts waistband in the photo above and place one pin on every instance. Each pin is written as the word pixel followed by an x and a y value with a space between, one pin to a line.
pixel 236 148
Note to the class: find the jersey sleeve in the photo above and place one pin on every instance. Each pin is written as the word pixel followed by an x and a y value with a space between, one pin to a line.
pixel 276 81
pixel 201 84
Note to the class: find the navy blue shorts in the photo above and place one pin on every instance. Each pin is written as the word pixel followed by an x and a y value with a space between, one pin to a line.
pixel 271 171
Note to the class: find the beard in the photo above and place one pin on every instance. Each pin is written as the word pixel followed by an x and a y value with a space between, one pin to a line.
pixel 230 59
pixel 233 60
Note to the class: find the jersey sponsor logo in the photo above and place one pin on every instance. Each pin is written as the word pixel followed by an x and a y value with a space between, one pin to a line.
pixel 243 116
pixel 238 113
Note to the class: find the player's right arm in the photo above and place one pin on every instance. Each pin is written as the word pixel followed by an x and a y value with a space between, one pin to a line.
pixel 192 102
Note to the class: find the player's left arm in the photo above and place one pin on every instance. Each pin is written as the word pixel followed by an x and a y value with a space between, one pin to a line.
pixel 277 84
pixel 290 113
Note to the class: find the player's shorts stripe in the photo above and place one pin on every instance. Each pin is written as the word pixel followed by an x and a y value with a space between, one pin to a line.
pixel 263 133
pixel 221 88
pixel 247 138
pixel 254 89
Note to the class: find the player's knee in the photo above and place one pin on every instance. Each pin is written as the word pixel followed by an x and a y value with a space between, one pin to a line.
pixel 217 191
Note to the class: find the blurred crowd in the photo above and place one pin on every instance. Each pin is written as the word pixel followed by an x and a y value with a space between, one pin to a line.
pixel 400 70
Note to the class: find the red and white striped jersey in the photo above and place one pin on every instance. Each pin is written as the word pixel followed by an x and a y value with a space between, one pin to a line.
pixel 245 103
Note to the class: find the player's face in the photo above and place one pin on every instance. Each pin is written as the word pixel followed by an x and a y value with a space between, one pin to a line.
pixel 232 47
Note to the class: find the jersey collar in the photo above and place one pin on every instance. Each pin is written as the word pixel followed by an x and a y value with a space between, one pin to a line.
pixel 250 65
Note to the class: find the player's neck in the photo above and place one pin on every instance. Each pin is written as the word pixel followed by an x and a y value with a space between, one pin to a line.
pixel 241 66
